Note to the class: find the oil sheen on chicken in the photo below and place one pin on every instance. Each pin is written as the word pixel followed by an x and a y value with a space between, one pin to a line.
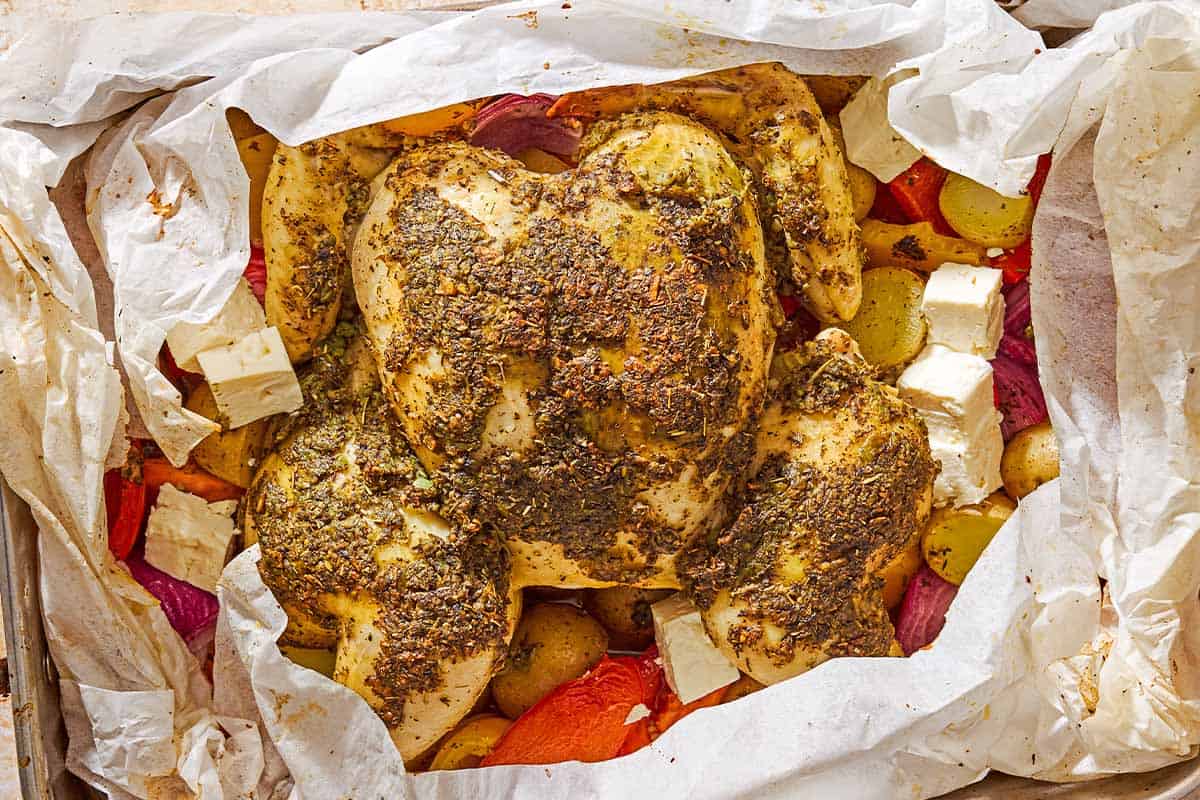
pixel 578 357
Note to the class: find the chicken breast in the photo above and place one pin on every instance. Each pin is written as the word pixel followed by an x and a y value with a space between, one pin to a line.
pixel 843 480
pixel 354 548
pixel 578 357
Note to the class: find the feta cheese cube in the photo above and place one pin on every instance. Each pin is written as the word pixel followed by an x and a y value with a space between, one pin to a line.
pixel 964 308
pixel 871 141
pixel 251 378
pixel 693 665
pixel 952 392
pixel 188 538
pixel 241 315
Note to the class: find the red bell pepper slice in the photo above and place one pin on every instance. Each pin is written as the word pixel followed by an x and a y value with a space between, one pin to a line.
pixel 581 720
pixel 1015 263
pixel 189 478
pixel 1038 181
pixel 670 710
pixel 887 209
pixel 125 502
pixel 256 272
pixel 916 190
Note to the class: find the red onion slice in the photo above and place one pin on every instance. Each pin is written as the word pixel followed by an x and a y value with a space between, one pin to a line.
pixel 189 610
pixel 923 611
pixel 515 122
pixel 1018 395
pixel 1017 316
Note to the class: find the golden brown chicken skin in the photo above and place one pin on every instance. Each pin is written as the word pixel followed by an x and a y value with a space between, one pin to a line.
pixel 580 356
pixel 843 481
pixel 355 550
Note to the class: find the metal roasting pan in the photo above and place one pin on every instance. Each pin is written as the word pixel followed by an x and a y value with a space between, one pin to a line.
pixel 41 736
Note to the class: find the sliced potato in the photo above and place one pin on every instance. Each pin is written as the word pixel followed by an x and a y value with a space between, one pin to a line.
pixel 956 537
pixel 467 744
pixel 916 246
pixel 229 454
pixel 899 572
pixel 862 188
pixel 889 327
pixel 554 643
pixel 317 660
pixel 625 613
pixel 983 215
pixel 541 161
pixel 257 153
pixel 1030 459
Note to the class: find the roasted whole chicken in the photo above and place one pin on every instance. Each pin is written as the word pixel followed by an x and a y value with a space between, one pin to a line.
pixel 569 380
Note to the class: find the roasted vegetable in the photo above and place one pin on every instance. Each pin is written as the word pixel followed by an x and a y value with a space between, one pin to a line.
pixel 916 191
pixel 554 643
pixel 467 744
pixel 899 571
pixel 188 478
pixel 625 613
pixel 917 246
pixel 956 537
pixel 1030 459
pixel 584 719
pixel 232 455
pixel 889 327
pixel 983 215
pixel 923 612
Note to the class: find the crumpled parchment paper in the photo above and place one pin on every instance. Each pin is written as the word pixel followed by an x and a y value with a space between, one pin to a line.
pixel 1037 671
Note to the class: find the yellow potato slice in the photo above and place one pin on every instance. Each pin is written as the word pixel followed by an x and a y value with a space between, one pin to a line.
pixel 983 215
pixel 229 454
pixel 956 537
pixel 466 746
pixel 889 327
pixel 899 572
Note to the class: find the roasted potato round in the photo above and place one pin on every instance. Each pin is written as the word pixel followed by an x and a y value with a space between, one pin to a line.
pixel 956 537
pixel 889 327
pixel 554 643
pixel 983 215
pixel 625 613
pixel 899 572
pixel 229 454
pixel 467 744
pixel 1030 459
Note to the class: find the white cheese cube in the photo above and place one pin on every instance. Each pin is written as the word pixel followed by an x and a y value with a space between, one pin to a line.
pixel 693 665
pixel 965 309
pixel 241 315
pixel 970 462
pixel 252 378
pixel 188 538
pixel 871 141
pixel 952 391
